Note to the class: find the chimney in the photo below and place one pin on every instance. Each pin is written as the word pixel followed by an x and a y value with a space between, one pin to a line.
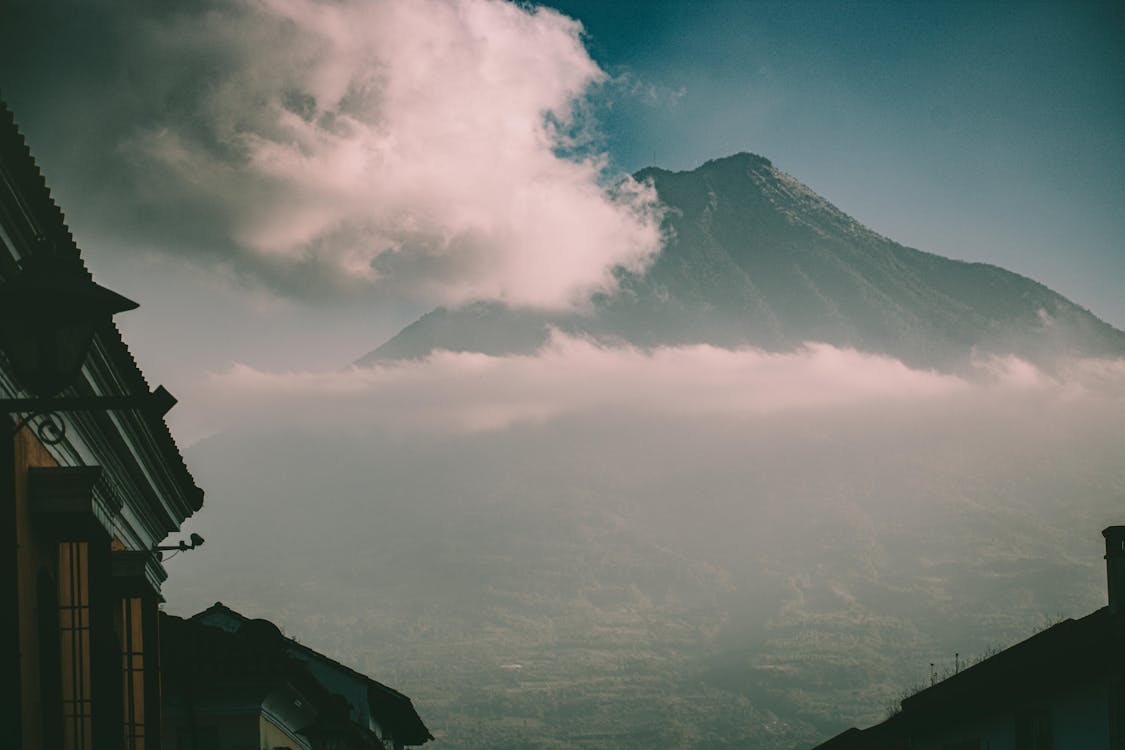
pixel 1115 567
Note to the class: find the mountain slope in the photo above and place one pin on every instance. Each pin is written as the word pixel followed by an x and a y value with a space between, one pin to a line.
pixel 756 258
pixel 611 578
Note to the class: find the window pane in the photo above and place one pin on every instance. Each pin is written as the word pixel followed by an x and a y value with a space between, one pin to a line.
pixel 133 672
pixel 74 645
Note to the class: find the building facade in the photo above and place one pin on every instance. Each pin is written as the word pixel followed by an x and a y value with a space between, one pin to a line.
pixel 87 494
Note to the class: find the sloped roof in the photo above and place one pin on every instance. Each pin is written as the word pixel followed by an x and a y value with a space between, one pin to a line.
pixel 1071 652
pixel 215 664
pixel 41 214
pixel 408 725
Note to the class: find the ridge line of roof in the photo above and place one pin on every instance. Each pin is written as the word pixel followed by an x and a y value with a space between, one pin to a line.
pixel 219 606
pixel 45 210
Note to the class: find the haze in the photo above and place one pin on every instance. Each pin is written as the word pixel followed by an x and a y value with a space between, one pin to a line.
pixel 683 544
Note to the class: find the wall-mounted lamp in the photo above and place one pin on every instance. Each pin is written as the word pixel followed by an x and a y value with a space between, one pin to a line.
pixel 196 541
pixel 49 312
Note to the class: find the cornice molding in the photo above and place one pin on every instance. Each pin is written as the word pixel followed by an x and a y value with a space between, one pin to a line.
pixel 144 469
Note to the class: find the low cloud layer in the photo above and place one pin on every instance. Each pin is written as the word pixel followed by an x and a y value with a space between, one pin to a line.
pixel 469 392
pixel 432 150
pixel 637 509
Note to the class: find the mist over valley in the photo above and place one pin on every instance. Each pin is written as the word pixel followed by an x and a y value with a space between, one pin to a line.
pixel 574 532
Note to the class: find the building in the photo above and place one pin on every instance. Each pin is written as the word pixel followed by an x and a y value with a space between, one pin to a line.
pixel 1062 688
pixel 91 481
pixel 231 682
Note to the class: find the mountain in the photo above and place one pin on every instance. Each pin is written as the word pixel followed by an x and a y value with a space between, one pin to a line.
pixel 755 258
pixel 611 578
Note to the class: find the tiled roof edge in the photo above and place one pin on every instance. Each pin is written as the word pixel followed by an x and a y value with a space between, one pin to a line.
pixel 52 224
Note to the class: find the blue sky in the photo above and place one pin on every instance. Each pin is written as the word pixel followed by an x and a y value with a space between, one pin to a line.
pixel 981 131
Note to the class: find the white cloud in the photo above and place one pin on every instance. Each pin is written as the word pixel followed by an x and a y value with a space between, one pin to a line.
pixel 467 391
pixel 458 392
pixel 412 146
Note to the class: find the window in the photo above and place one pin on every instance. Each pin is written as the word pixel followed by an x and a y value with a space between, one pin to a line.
pixel 74 645
pixel 130 616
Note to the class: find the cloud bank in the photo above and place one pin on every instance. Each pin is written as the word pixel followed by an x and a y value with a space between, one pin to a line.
pixel 464 392
pixel 432 149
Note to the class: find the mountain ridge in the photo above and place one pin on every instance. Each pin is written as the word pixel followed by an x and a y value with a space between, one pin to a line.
pixel 756 258
pixel 605 578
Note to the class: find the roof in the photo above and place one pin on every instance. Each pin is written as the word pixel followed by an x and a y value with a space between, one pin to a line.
pixel 1069 653
pixel 41 217
pixel 192 648
pixel 208 666
pixel 879 736
pixel 408 725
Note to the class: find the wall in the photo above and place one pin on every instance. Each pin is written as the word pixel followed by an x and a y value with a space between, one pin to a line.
pixel 1080 717
pixel 274 736
pixel 1079 721
pixel 33 553
pixel 994 733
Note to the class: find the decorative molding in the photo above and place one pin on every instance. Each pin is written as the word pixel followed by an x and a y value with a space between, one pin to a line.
pixel 107 494
pixel 62 500
pixel 138 572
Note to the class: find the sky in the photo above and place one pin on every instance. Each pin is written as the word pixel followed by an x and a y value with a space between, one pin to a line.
pixel 285 184
pixel 975 130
